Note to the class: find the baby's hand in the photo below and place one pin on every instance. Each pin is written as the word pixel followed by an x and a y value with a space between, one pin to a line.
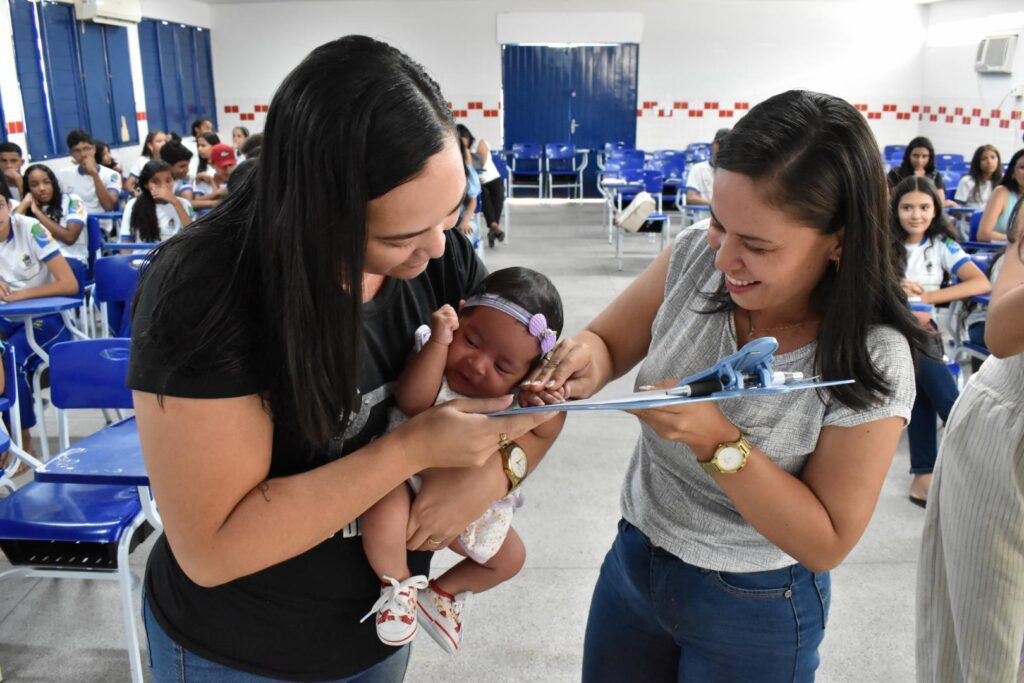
pixel 443 324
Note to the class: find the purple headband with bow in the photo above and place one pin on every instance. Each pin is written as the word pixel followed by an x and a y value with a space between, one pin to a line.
pixel 536 323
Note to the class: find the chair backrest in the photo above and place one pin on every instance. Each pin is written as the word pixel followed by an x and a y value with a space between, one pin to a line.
pixel 673 168
pixel 117 277
pixel 983 259
pixel 10 364
pixel 620 154
pixel 560 150
pixel 617 167
pixel 946 161
pixel 972 232
pixel 699 154
pixel 894 151
pixel 500 163
pixel 617 144
pixel 632 175
pixel 526 150
pixel 90 373
pixel 668 154
pixel 654 181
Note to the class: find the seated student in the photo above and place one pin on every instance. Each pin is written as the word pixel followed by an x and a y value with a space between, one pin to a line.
pixel 1004 198
pixel 98 186
pixel 932 258
pixel 975 322
pixel 63 214
pixel 700 181
pixel 985 173
pixel 467 219
pixel 31 266
pixel 179 157
pixel 199 128
pixel 239 134
pixel 251 146
pixel 150 150
pixel 156 214
pixel 105 158
pixel 202 178
pixel 222 158
pixel 919 160
pixel 10 163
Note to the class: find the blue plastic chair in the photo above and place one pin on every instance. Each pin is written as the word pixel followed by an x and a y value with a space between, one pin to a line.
pixel 116 280
pixel 944 162
pixel 653 182
pixel 894 151
pixel 562 170
pixel 80 531
pixel 527 165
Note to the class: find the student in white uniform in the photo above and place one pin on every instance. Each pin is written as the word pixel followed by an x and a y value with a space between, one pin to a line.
pixel 932 258
pixel 62 214
pixel 98 186
pixel 985 173
pixel 700 181
pixel 199 128
pixel 150 150
pixel 10 165
pixel 156 214
pixel 180 158
pixel 31 266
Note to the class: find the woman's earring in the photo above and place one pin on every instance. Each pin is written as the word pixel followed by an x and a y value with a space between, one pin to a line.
pixel 835 262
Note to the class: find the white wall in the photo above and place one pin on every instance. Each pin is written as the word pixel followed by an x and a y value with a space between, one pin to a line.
pixel 950 83
pixel 693 51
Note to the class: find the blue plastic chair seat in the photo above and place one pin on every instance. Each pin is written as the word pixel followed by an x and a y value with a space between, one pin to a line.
pixel 80 513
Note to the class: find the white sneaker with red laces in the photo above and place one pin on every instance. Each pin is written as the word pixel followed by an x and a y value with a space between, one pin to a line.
pixel 444 615
pixel 396 610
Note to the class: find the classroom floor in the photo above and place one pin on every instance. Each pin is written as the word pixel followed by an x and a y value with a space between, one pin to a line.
pixel 530 629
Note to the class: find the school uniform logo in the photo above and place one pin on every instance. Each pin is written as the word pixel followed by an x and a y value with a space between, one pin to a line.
pixel 26 260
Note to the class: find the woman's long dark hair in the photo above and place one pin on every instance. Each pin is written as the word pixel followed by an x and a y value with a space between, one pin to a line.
pixel 907 168
pixel 978 176
pixel 145 226
pixel 53 209
pixel 354 120
pixel 212 139
pixel 817 161
pixel 1009 181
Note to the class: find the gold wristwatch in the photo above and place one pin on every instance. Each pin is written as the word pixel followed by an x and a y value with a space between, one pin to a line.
pixel 513 461
pixel 729 457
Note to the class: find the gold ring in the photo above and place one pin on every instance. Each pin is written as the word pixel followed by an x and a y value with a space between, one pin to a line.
pixel 502 438
pixel 432 543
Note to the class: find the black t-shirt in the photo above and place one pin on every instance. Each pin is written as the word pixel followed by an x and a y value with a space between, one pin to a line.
pixel 935 176
pixel 297 620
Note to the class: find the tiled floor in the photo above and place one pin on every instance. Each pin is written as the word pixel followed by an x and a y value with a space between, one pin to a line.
pixel 530 629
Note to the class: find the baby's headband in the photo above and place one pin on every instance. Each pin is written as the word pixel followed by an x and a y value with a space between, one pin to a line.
pixel 537 324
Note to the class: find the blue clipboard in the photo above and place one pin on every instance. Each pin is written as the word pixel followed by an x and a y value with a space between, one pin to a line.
pixel 748 372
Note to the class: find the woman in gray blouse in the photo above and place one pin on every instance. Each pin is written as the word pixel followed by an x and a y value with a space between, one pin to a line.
pixel 734 512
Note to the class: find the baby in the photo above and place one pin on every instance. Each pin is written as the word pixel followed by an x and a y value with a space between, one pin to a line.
pixel 484 351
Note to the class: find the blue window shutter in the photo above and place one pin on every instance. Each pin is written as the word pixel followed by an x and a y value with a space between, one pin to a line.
pixel 94 76
pixel 204 67
pixel 185 49
pixel 41 143
pixel 156 111
pixel 173 101
pixel 60 43
pixel 122 89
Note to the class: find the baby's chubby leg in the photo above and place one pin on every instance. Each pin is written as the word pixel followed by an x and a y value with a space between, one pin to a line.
pixel 384 527
pixel 469 575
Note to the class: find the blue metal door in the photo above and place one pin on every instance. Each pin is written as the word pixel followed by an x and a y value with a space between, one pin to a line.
pixel 584 95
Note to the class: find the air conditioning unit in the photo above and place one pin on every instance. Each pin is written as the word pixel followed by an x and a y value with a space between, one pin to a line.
pixel 995 55
pixel 115 12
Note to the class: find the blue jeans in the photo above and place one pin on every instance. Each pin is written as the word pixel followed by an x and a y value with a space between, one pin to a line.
pixel 48 330
pixel 936 394
pixel 171 663
pixel 656 618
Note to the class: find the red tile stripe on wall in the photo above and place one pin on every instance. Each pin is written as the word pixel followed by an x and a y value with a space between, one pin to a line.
pixel 935 113
pixel 15 127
